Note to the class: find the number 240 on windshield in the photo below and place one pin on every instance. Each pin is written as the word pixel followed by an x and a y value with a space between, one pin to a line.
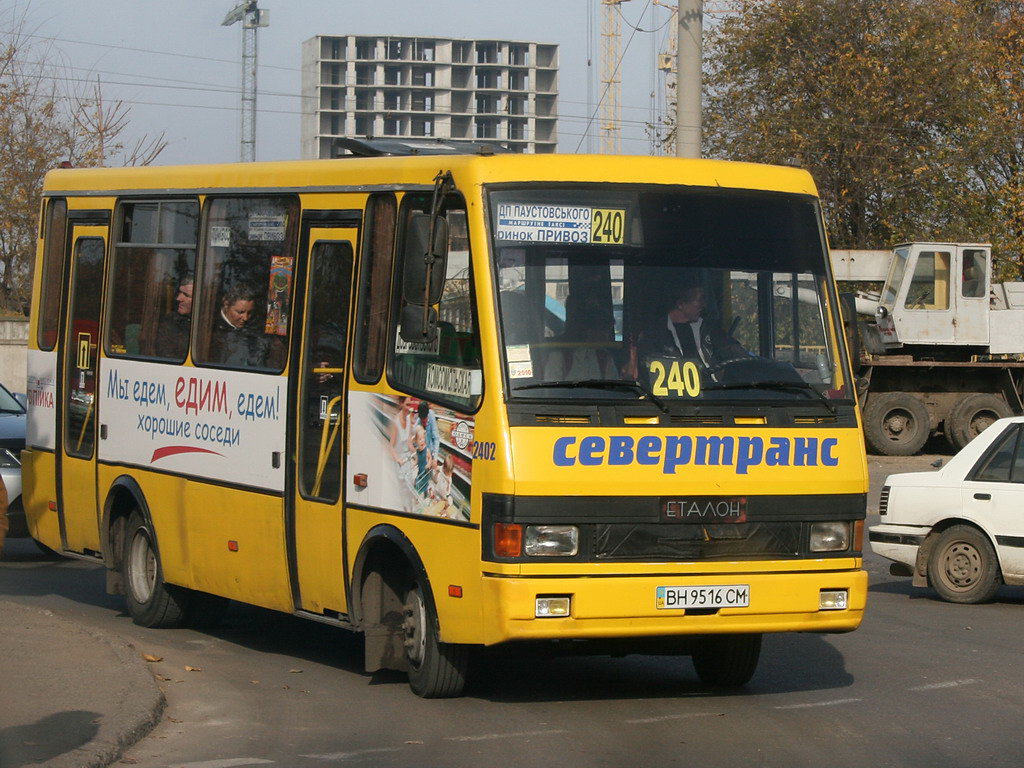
pixel 682 379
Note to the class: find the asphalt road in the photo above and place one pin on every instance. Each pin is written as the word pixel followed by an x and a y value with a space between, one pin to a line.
pixel 922 683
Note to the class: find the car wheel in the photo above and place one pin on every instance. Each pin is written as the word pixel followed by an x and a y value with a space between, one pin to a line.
pixel 436 670
pixel 151 602
pixel 727 661
pixel 962 566
pixel 895 423
pixel 972 416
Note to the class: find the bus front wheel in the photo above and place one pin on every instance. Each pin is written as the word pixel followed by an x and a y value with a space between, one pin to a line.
pixel 436 670
pixel 727 661
pixel 151 602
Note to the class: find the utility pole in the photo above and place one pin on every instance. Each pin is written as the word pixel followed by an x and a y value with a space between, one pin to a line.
pixel 689 54
pixel 252 19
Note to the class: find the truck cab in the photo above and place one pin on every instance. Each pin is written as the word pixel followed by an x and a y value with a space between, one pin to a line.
pixel 936 293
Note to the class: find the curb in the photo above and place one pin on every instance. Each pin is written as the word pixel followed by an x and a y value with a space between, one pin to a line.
pixel 138 711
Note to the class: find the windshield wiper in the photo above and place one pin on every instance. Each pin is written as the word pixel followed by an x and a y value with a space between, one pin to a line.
pixel 791 386
pixel 11 410
pixel 633 385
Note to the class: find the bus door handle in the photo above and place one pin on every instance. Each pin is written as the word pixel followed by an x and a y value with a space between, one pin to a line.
pixel 983 496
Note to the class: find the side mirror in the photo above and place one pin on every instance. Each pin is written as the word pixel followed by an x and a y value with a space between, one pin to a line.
pixel 411 326
pixel 417 254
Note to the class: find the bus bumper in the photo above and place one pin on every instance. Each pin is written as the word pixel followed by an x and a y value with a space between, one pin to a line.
pixel 625 606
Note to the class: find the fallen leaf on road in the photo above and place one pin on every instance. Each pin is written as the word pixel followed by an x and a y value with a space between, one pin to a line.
pixel 295 671
pixel 174 719
pixel 161 677
pixel 286 687
pixel 193 669
pixel 414 742
pixel 129 760
pixel 151 658
pixel 255 682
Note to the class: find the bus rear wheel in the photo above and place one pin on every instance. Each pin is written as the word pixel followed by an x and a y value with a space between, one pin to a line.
pixel 151 602
pixel 436 670
pixel 727 661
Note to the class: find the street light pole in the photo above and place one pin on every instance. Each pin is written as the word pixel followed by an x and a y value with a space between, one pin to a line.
pixel 689 55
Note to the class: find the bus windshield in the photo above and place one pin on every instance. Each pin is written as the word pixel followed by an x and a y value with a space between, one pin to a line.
pixel 670 294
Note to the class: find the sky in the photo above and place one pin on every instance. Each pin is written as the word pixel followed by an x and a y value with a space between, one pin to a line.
pixel 179 70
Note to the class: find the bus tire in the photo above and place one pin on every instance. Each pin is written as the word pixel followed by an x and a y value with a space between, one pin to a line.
pixel 436 670
pixel 727 661
pixel 151 602
pixel 972 415
pixel 895 424
pixel 962 566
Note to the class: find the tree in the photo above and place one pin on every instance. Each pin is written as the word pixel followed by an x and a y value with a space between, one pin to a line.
pixel 872 96
pixel 44 122
pixel 907 112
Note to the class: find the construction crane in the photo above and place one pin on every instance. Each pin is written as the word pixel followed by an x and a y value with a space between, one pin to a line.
pixel 611 107
pixel 252 18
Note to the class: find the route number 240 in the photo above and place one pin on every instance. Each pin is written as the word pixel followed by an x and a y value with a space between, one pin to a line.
pixel 683 379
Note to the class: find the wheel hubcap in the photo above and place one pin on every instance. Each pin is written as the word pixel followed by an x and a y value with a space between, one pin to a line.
pixel 141 568
pixel 961 566
pixel 898 425
pixel 414 625
pixel 981 421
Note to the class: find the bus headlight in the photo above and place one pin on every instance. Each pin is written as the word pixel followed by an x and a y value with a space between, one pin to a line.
pixel 552 540
pixel 829 537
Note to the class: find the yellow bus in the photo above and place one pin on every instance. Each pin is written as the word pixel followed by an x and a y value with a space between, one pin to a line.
pixel 452 400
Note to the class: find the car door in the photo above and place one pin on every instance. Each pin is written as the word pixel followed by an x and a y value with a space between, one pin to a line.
pixel 993 495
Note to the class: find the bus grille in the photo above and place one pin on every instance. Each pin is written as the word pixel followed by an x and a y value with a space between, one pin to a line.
pixel 652 541
pixel 883 501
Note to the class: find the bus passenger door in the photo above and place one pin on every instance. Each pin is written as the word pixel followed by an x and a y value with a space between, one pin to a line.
pixel 78 391
pixel 318 453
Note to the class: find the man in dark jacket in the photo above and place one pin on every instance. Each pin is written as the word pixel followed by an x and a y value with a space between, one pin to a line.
pixel 683 333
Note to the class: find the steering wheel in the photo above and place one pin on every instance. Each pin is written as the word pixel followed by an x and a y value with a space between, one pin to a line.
pixel 721 365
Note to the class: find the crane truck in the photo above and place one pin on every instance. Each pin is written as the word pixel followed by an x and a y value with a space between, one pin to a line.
pixel 939 349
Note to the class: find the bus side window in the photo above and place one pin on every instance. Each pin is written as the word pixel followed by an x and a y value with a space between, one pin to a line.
pixel 374 288
pixel 448 369
pixel 53 273
pixel 152 279
pixel 245 283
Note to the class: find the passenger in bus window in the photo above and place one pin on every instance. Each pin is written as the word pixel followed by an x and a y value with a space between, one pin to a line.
pixel 236 342
pixel 172 336
pixel 583 350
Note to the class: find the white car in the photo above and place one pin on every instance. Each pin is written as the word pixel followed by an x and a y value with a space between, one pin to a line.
pixel 960 529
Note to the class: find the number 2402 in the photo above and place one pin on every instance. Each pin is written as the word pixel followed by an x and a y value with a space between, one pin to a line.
pixel 681 378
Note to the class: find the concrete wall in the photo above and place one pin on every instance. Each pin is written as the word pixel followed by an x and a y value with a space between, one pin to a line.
pixel 13 353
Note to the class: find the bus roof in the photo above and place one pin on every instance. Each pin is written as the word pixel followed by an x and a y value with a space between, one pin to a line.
pixel 356 174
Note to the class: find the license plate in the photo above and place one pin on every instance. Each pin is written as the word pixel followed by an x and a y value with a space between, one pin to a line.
pixel 717 596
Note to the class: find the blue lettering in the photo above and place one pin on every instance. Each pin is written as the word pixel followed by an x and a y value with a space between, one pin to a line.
pixel 677 451
pixel 805 449
pixel 648 448
pixel 778 454
pixel 826 452
pixel 591 449
pixel 749 454
pixel 620 450
pixel 560 457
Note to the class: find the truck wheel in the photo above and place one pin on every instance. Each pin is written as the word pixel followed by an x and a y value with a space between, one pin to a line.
pixel 436 670
pixel 727 661
pixel 962 567
pixel 895 424
pixel 972 416
pixel 151 602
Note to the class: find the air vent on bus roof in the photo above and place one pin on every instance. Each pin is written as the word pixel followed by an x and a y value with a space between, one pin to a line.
pixel 550 418
pixel 830 419
pixel 697 419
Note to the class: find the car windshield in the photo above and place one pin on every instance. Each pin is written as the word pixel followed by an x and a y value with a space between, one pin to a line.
pixel 8 403
pixel 664 293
